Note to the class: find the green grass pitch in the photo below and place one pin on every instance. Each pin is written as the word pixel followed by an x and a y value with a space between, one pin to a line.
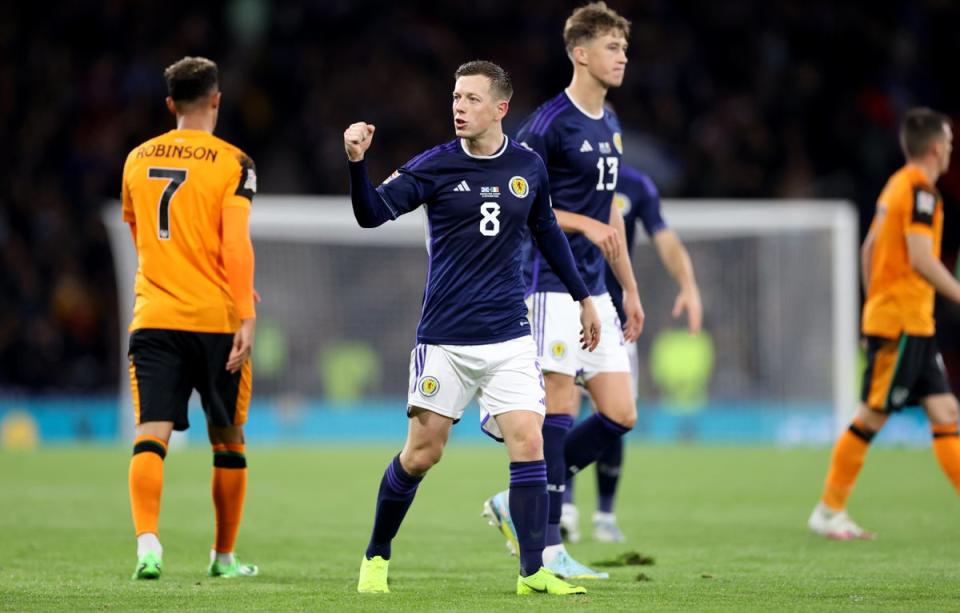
pixel 726 527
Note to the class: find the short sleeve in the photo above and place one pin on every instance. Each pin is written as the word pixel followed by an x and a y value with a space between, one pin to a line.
pixel 243 184
pixel 648 207
pixel 923 206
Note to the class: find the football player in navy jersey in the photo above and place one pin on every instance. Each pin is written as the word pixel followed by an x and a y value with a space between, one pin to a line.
pixel 484 197
pixel 638 200
pixel 581 143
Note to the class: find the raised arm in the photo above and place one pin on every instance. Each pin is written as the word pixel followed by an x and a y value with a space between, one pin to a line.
pixel 369 208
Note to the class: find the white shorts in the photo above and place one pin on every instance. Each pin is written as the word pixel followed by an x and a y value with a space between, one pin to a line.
pixel 503 376
pixel 555 319
pixel 634 358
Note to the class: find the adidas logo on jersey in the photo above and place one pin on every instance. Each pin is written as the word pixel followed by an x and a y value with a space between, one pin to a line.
pixel 462 187
pixel 586 147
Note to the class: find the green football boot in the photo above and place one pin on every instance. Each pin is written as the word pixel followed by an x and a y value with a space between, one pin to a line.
pixel 373 576
pixel 149 566
pixel 545 582
pixel 229 571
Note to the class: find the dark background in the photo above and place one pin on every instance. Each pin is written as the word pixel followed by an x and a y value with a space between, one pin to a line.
pixel 722 99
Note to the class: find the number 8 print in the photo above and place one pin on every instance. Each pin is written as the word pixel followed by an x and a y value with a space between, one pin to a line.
pixel 490 224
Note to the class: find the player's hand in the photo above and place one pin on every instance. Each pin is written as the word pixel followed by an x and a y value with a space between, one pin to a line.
pixel 689 300
pixel 589 325
pixel 605 237
pixel 357 139
pixel 635 317
pixel 242 345
pixel 256 296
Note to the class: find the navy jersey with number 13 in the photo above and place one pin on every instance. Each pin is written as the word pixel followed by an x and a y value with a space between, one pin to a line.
pixel 582 153
pixel 479 210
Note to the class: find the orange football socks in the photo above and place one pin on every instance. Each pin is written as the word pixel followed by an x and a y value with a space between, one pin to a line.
pixel 845 464
pixel 146 482
pixel 946 446
pixel 229 490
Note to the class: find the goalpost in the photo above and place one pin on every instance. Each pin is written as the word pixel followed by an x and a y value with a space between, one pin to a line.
pixel 340 304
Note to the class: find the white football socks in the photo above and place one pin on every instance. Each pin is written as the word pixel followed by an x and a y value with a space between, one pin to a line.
pixel 148 542
pixel 550 553
pixel 225 559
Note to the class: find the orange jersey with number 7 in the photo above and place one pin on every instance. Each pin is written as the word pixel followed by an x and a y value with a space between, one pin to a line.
pixel 188 195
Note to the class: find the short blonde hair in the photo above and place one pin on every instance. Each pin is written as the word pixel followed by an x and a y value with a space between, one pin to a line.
pixel 591 21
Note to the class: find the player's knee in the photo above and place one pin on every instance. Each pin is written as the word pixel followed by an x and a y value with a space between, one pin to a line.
pixel 870 419
pixel 159 429
pixel 526 446
pixel 419 461
pixel 953 409
pixel 625 417
pixel 950 411
pixel 225 435
pixel 944 410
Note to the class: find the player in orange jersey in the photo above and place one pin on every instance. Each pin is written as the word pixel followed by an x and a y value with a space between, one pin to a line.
pixel 901 273
pixel 187 197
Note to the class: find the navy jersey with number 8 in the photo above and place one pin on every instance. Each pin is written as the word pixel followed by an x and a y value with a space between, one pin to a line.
pixel 480 211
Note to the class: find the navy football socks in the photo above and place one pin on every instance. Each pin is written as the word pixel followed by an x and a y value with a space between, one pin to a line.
pixel 589 440
pixel 397 489
pixel 608 473
pixel 528 508
pixel 555 428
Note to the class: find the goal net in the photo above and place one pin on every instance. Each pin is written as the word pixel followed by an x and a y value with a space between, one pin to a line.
pixel 776 362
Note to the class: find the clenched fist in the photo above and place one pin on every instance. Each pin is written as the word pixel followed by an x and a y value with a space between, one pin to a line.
pixel 357 139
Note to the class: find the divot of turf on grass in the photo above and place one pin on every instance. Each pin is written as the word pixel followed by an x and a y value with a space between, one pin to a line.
pixel 628 558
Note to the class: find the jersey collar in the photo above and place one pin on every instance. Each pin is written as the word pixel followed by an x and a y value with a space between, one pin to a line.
pixel 506 140
pixel 580 108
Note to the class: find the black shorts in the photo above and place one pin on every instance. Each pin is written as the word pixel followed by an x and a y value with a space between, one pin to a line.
pixel 902 371
pixel 166 365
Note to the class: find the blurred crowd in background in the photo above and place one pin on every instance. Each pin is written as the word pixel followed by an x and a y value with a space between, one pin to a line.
pixel 745 98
